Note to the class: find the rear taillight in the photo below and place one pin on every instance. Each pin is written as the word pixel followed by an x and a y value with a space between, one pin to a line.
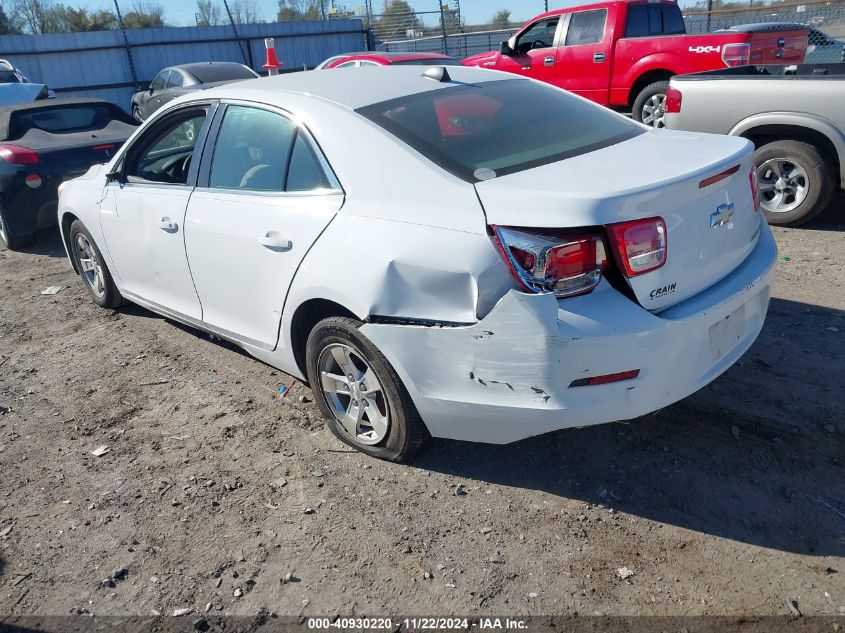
pixel 18 155
pixel 567 265
pixel 755 187
pixel 673 100
pixel 738 54
pixel 639 245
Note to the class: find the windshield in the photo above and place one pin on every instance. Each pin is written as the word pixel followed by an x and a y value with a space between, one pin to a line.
pixel 8 77
pixel 435 61
pixel 224 72
pixel 480 131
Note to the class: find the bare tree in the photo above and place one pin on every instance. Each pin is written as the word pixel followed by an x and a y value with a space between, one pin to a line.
pixel 144 15
pixel 34 15
pixel 244 11
pixel 295 10
pixel 208 13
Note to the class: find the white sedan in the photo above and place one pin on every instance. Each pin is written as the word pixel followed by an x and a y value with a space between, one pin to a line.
pixel 454 252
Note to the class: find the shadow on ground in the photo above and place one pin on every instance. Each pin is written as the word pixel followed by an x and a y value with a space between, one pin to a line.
pixel 730 461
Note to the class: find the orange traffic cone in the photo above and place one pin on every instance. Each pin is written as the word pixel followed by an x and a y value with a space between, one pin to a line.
pixel 272 64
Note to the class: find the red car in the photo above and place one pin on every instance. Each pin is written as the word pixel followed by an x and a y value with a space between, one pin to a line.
pixel 623 52
pixel 376 58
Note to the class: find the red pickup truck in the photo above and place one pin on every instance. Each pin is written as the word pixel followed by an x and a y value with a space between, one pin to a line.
pixel 622 53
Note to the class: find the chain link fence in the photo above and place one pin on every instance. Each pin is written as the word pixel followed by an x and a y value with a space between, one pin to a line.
pixel 442 29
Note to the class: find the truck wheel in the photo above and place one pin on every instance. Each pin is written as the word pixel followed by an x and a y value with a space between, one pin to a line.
pixel 358 392
pixel 795 182
pixel 650 104
pixel 14 242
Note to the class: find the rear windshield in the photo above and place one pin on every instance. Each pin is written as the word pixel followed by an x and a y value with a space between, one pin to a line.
pixel 210 74
pixel 495 128
pixel 437 61
pixel 8 77
pixel 65 119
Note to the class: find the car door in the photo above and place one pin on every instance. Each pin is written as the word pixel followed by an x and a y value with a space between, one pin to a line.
pixel 583 57
pixel 143 210
pixel 264 196
pixel 534 51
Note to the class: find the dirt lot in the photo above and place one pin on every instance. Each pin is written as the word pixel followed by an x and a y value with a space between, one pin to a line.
pixel 215 488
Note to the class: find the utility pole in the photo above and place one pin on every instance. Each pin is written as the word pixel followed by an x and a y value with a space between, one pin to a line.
pixel 235 31
pixel 128 48
pixel 547 6
pixel 443 25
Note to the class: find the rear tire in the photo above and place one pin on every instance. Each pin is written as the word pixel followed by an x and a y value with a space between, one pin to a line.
pixel 92 268
pixel 14 242
pixel 795 182
pixel 365 391
pixel 649 106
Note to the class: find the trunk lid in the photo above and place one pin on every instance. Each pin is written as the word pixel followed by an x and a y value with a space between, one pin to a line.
pixel 655 174
pixel 778 46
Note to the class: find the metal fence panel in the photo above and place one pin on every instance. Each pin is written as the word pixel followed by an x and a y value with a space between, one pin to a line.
pixel 96 64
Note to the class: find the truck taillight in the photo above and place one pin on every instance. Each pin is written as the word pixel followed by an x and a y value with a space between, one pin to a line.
pixel 755 187
pixel 18 155
pixel 567 265
pixel 640 245
pixel 673 100
pixel 737 54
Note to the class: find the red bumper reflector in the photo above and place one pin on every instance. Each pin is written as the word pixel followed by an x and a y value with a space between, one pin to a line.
pixel 714 179
pixel 98 148
pixel 606 379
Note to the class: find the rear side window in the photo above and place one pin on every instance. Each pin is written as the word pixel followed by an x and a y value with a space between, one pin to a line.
pixel 484 130
pixel 304 172
pixel 258 150
pixel 252 150
pixel 586 27
pixel 654 19
pixel 64 119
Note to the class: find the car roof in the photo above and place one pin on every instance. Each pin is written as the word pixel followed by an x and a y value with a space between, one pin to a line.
pixel 197 65
pixel 392 56
pixel 353 88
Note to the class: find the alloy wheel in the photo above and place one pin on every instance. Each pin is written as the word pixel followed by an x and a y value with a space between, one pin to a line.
pixel 784 185
pixel 92 272
pixel 354 393
pixel 3 235
pixel 654 111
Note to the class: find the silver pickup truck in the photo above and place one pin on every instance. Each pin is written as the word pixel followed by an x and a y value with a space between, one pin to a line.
pixel 794 115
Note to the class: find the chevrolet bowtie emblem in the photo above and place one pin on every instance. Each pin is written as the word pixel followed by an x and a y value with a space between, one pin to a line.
pixel 723 215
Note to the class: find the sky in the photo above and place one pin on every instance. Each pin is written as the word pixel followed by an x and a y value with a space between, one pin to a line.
pixel 181 12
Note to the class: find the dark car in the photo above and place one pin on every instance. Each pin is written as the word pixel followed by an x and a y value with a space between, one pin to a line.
pixel 43 143
pixel 176 81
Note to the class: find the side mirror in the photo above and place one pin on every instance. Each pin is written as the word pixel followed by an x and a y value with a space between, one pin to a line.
pixel 505 49
pixel 151 90
pixel 115 176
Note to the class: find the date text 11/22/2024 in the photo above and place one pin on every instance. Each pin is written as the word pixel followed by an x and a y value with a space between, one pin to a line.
pixel 416 624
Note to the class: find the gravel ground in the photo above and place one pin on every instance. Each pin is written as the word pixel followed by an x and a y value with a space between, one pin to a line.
pixel 216 490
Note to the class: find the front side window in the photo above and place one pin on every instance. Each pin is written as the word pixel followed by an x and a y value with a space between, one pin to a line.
pixel 164 154
pixel 258 150
pixel 586 27
pixel 539 35
pixel 484 130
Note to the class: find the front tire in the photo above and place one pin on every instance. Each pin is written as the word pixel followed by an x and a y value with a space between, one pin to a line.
pixel 359 393
pixel 795 182
pixel 92 268
pixel 650 105
pixel 14 242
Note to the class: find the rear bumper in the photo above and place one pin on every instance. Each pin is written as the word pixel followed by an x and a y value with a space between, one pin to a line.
pixel 508 377
pixel 26 210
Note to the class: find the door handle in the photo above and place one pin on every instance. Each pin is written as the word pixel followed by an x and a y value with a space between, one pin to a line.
pixel 168 225
pixel 275 242
pixel 549 61
pixel 598 58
